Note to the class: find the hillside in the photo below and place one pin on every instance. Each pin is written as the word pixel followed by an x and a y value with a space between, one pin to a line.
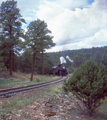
pixel 91 53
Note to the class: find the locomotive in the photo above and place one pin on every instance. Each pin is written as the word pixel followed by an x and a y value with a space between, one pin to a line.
pixel 59 70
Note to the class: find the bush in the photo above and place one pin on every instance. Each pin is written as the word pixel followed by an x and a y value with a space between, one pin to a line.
pixel 89 84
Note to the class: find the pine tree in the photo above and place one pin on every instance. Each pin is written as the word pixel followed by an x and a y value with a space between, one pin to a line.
pixel 37 39
pixel 89 84
pixel 11 22
pixel 46 41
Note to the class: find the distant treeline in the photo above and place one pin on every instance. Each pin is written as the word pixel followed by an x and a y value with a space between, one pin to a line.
pixel 97 54
pixel 23 62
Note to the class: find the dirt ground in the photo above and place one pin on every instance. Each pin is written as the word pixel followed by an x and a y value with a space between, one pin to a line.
pixel 57 107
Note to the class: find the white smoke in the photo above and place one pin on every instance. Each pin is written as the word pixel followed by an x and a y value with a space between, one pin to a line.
pixel 62 60
pixel 69 59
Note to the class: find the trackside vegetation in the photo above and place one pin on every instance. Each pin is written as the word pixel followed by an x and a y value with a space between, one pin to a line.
pixel 89 84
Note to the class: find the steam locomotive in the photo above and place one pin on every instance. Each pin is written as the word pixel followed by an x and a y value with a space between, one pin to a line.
pixel 59 70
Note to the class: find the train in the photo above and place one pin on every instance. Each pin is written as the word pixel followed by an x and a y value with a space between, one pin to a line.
pixel 59 70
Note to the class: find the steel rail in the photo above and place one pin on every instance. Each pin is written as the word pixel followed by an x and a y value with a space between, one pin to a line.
pixel 13 91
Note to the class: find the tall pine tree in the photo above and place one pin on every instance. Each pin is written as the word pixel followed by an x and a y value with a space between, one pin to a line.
pixel 37 39
pixel 46 41
pixel 11 22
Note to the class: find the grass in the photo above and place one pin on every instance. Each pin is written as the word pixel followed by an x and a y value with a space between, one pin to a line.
pixel 21 102
pixel 18 103
pixel 21 80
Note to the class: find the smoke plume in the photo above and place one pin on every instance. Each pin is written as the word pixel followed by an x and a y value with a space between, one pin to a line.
pixel 69 59
pixel 62 60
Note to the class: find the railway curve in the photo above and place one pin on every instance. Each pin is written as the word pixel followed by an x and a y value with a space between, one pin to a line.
pixel 13 91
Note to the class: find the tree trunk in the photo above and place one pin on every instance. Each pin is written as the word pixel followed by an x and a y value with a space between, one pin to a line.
pixel 42 63
pixel 33 66
pixel 10 62
pixel 13 61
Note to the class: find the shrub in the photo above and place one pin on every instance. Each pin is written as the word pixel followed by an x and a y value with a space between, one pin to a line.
pixel 89 84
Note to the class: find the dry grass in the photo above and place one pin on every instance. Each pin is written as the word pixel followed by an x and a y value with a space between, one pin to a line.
pixel 21 79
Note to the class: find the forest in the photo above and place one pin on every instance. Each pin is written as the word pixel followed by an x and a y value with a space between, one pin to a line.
pixel 23 62
pixel 24 51
pixel 97 54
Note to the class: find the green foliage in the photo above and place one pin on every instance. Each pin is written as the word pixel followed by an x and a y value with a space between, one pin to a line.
pixel 10 25
pixel 47 64
pixel 80 56
pixel 11 21
pixel 2 66
pixel 78 60
pixel 38 80
pixel 104 59
pixel 98 58
pixel 89 84
pixel 37 36
pixel 25 62
pixel 37 39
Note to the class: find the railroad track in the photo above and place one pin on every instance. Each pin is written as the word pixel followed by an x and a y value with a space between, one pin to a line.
pixel 13 91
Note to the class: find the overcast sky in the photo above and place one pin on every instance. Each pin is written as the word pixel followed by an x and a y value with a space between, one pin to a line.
pixel 75 24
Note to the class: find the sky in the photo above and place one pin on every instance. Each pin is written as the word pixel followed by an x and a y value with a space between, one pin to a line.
pixel 75 24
